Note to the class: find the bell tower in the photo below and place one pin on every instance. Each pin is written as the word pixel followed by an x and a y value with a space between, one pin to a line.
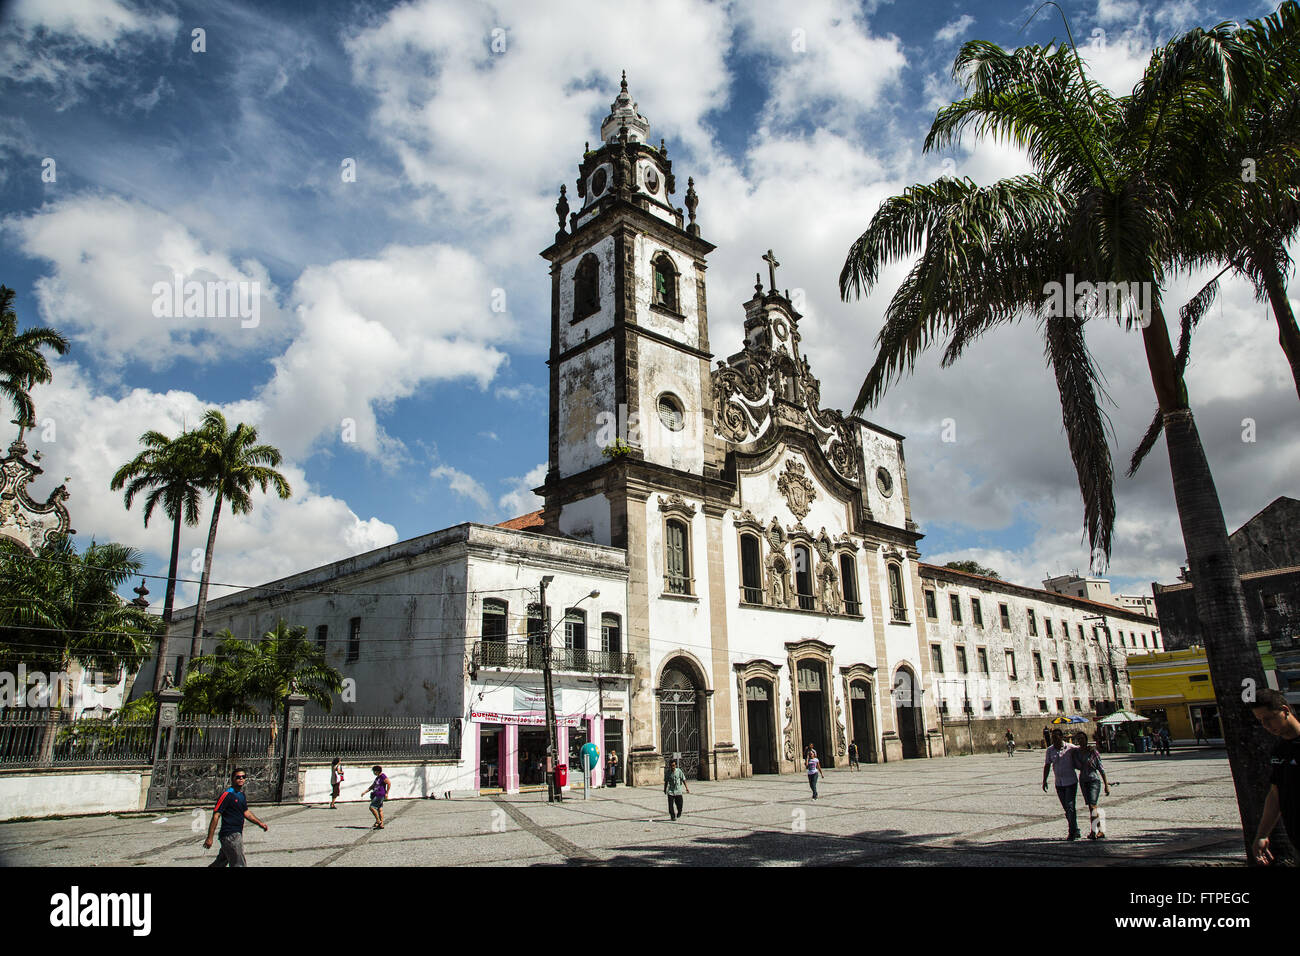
pixel 630 387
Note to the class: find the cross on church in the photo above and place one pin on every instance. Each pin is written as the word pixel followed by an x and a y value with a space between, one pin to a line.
pixel 771 268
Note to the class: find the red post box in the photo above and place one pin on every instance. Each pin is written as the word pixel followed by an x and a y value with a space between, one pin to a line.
pixel 562 775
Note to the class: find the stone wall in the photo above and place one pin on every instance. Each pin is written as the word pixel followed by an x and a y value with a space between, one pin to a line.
pixel 47 793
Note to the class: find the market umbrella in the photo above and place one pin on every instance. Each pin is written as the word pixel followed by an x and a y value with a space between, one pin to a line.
pixel 1069 720
pixel 1121 717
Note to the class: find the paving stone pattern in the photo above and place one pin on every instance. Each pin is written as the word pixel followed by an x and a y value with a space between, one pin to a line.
pixel 976 811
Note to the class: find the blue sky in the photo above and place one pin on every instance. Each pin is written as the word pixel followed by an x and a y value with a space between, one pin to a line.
pixel 381 298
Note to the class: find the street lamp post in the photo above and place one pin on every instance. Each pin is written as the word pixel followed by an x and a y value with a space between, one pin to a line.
pixel 553 792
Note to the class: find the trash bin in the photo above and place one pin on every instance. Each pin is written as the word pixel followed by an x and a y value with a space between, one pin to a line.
pixel 562 775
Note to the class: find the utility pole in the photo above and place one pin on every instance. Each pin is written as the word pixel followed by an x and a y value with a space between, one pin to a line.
pixel 550 694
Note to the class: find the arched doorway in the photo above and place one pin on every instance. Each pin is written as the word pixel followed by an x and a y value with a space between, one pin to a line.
pixel 862 729
pixel 681 703
pixel 813 690
pixel 907 711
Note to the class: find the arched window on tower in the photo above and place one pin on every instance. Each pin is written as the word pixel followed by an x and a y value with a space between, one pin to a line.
pixel 751 578
pixel 665 282
pixel 586 287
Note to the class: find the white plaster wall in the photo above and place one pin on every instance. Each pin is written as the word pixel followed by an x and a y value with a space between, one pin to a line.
pixel 685 330
pixel 1089 686
pixel 41 794
pixel 587 519
pixel 587 408
pixel 572 333
pixel 412 636
pixel 407 781
pixel 882 451
pixel 760 494
pixel 662 368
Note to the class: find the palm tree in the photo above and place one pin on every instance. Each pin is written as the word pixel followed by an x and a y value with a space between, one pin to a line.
pixel 58 606
pixel 168 469
pixel 1104 206
pixel 21 363
pixel 231 463
pixel 241 674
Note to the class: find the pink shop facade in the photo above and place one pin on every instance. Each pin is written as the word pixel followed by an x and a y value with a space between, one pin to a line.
pixel 507 730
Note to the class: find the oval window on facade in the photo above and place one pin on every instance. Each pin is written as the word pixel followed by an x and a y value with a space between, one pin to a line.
pixel 670 413
pixel 598 181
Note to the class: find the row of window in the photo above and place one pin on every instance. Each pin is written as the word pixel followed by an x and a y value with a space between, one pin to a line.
pixel 1031 617
pixel 936 660
pixel 1080 705
pixel 354 639
pixel 751 576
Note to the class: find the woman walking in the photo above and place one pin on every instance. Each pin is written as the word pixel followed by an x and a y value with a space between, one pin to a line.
pixel 1092 777
pixel 336 781
pixel 814 770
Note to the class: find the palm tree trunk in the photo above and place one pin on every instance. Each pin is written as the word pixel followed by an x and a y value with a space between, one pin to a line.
pixel 1287 332
pixel 1230 647
pixel 201 609
pixel 168 605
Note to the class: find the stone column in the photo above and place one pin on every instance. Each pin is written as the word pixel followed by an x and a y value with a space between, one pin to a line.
pixel 726 758
pixel 290 748
pixel 644 763
pixel 164 741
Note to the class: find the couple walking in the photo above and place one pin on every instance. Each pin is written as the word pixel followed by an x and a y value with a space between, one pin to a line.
pixel 1077 765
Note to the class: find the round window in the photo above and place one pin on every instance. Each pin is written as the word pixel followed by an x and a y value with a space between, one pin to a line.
pixel 651 179
pixel 670 413
pixel 598 181
pixel 884 481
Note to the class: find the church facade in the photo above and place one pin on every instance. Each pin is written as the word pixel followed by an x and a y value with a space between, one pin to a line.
pixel 751 557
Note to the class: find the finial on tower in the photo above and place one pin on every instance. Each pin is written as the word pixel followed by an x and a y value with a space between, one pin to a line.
pixel 692 200
pixel 771 268
pixel 561 211
pixel 623 84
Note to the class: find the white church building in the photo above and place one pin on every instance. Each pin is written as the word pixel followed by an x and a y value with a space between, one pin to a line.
pixel 732 570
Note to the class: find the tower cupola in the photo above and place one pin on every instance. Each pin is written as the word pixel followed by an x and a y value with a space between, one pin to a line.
pixel 623 113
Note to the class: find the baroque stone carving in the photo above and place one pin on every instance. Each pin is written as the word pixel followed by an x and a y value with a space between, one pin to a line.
pixel 799 492
pixel 23 519
pixel 840 747
pixel 778 580
pixel 789 731
pixel 676 502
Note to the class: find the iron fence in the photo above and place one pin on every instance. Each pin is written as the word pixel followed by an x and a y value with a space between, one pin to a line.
pixel 351 736
pixel 529 657
pixel 51 738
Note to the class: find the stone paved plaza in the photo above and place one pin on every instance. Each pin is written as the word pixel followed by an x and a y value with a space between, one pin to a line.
pixel 973 811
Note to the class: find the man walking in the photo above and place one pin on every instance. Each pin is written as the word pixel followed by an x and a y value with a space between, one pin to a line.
pixel 853 755
pixel 231 810
pixel 1276 716
pixel 1059 759
pixel 674 784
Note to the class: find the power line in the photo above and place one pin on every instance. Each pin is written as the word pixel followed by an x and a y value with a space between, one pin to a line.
pixel 266 587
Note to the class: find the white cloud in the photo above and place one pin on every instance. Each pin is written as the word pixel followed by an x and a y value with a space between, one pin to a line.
pixel 520 500
pixel 95 434
pixel 951 31
pixel 464 485
pixel 375 330
pixel 106 254
pixel 63 44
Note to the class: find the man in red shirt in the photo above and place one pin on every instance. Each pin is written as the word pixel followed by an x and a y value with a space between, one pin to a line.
pixel 231 810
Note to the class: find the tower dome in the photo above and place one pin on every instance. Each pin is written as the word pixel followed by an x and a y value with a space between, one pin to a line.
pixel 622 112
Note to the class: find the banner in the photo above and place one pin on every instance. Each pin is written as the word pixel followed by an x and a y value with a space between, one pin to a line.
pixel 435 734
pixel 522 720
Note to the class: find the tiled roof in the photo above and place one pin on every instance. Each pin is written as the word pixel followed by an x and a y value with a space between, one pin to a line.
pixel 523 522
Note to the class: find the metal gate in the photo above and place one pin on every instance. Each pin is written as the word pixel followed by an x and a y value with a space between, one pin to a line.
pixel 679 722
pixel 208 751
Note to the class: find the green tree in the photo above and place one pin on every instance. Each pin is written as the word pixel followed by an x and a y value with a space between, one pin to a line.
pixel 58 606
pixel 169 469
pixel 22 364
pixel 231 464
pixel 242 674
pixel 973 567
pixel 1106 204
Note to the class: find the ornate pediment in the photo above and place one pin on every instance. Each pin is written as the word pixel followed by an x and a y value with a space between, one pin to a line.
pixel 746 519
pixel 23 519
pixel 676 503
pixel 798 490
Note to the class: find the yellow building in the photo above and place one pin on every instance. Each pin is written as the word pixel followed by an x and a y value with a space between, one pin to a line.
pixel 1174 690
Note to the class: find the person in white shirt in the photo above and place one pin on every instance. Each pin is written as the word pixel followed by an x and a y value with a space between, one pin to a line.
pixel 1058 758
